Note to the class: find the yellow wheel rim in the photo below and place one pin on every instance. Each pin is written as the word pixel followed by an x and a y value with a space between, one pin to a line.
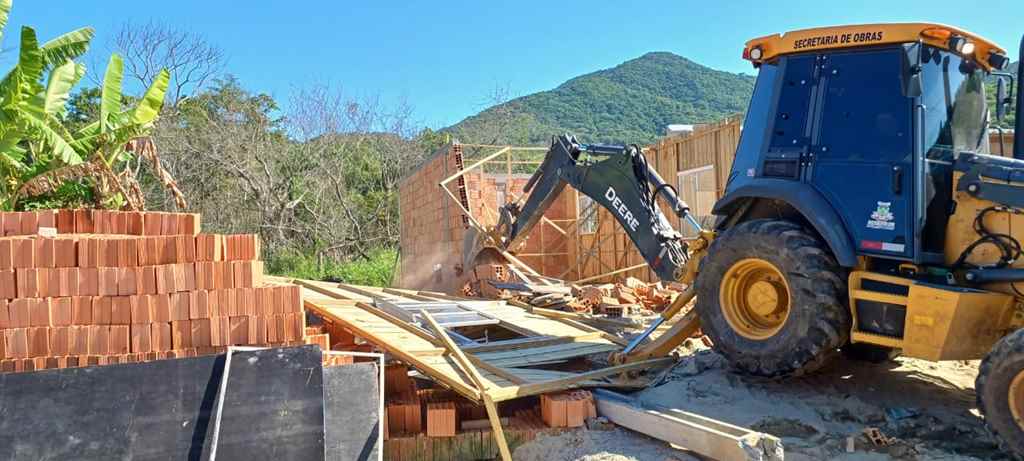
pixel 755 299
pixel 1016 399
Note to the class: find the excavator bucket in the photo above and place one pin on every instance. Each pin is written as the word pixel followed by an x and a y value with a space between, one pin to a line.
pixel 479 248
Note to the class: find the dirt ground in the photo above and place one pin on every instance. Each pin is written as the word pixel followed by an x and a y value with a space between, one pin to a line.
pixel 929 408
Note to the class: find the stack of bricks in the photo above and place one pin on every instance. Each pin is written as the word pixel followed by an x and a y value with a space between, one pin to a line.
pixel 91 287
pixel 567 409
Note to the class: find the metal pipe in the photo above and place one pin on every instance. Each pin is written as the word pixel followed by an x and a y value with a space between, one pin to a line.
pixel 635 342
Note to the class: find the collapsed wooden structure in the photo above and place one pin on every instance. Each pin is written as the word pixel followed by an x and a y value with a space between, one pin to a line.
pixel 463 185
pixel 489 352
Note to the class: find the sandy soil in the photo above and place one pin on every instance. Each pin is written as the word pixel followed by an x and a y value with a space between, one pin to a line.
pixel 929 408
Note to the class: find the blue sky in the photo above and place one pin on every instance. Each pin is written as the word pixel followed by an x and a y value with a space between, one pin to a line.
pixel 445 57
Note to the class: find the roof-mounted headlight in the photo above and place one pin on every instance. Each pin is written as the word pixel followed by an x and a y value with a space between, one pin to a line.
pixel 961 45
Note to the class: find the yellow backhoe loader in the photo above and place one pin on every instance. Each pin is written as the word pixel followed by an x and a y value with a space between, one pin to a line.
pixel 863 210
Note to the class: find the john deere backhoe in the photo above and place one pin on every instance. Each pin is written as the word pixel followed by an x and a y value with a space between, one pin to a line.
pixel 863 210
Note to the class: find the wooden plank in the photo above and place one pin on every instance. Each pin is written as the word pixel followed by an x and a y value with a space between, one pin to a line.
pixel 492 410
pixel 476 165
pixel 527 343
pixel 707 437
pixel 400 349
pixel 509 393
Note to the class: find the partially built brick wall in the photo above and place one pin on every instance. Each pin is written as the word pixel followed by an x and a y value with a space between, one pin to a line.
pixel 433 225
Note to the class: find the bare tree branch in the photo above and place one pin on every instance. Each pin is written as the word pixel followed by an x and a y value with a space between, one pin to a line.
pixel 148 48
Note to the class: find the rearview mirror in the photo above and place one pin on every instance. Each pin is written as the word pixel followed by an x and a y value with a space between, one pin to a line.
pixel 1002 99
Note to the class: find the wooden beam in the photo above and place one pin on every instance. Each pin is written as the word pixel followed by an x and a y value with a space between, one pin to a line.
pixel 493 146
pixel 475 165
pixel 529 342
pixel 508 393
pixel 614 272
pixel 411 358
pixel 707 437
pixel 474 375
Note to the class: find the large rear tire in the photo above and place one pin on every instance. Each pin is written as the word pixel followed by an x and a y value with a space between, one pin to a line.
pixel 1000 391
pixel 772 299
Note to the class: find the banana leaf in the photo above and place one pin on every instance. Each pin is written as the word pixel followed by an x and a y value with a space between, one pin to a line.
pixel 110 98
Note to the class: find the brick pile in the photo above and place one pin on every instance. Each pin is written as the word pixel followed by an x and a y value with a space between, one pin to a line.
pixel 567 409
pixel 92 287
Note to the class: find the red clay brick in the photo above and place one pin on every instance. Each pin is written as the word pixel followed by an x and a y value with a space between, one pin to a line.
pixel 147 280
pixel 38 341
pixel 179 306
pixel 39 312
pixel 120 310
pixel 98 339
pixel 118 223
pixel 199 305
pixel 108 281
pixel 62 311
pixel 17 342
pixel 29 223
pixel 134 222
pixel 101 310
pixel 8 284
pixel 88 281
pixel 45 256
pixel 120 340
pixel 161 307
pixel 65 221
pixel 161 336
pixel 64 252
pixel 78 340
pixel 23 250
pixel 47 219
pixel 239 330
pixel 60 342
pixel 81 310
pixel 201 334
pixel 10 224
pixel 6 253
pixel 181 334
pixel 84 223
pixel 127 281
pixel 128 252
pixel 141 309
pixel 67 281
pixel 151 223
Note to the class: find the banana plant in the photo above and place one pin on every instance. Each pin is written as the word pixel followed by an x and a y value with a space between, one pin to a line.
pixel 107 136
pixel 35 146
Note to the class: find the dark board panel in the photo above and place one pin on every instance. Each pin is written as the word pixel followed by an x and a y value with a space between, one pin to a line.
pixel 352 407
pixel 164 409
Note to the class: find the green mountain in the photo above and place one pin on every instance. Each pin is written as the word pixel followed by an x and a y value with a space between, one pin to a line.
pixel 629 103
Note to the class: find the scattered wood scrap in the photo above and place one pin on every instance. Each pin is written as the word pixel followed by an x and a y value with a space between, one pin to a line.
pixel 629 298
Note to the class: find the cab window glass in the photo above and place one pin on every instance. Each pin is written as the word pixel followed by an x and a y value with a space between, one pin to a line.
pixel 865 115
pixel 790 124
pixel 956 113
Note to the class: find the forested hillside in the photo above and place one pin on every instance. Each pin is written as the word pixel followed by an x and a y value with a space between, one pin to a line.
pixel 629 103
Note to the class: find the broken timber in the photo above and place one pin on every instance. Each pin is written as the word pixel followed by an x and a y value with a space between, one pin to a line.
pixel 704 436
pixel 504 365
pixel 498 371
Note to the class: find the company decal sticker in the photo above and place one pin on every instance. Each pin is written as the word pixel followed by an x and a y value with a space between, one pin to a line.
pixel 617 205
pixel 837 39
pixel 882 217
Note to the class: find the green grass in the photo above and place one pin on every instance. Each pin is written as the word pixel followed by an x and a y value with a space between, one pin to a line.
pixel 377 271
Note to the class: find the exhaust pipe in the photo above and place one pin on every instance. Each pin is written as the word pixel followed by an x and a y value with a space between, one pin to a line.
pixel 1018 133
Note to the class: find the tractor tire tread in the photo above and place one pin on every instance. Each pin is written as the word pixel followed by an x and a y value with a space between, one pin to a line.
pixel 814 278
